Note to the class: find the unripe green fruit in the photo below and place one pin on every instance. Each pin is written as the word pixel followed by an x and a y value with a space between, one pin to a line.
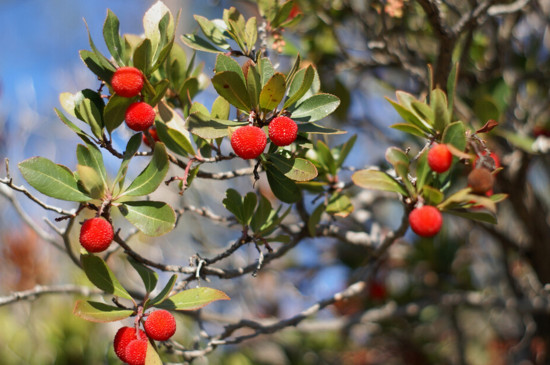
pixel 481 180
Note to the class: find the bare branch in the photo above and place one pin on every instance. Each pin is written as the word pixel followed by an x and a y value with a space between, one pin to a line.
pixel 40 290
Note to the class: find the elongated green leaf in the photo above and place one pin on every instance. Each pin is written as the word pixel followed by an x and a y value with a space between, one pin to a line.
pixel 51 179
pixel 484 216
pixel 234 203
pixel 101 276
pixel 220 109
pixel 438 101
pixel 251 32
pixel 152 357
pixel 89 113
pixel 317 129
pixel 85 137
pixel 230 85
pixel 266 70
pixel 261 215
pixel 91 156
pixel 99 312
pixel 423 112
pixel 339 205
pixel 160 91
pixel 455 134
pixel 411 117
pixel 422 170
pixel 152 176
pixel 282 187
pixel 249 204
pixel 112 37
pixel 325 158
pixel 409 128
pixel 300 85
pixel 273 92
pixel 377 180
pixel 208 128
pixel 175 140
pixel 431 195
pixel 226 63
pixel 193 299
pixel 402 170
pixel 343 151
pixel 67 101
pixel 94 64
pixel 253 85
pixel 131 148
pixel 297 169
pixel 315 108
pixel 143 56
pixel 148 276
pixel 451 87
pixel 282 13
pixel 91 181
pixel 158 24
pixel 200 44
pixel 212 32
pixel 165 292
pixel 99 57
pixel 151 217
pixel 115 111
pixel 395 155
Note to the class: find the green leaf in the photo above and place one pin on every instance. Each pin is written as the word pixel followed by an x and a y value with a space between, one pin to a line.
pixel 158 17
pixel 451 87
pixel 266 70
pixel 230 85
pixel 282 13
pixel 52 180
pixel 160 91
pixel 395 155
pixel 402 170
pixel 91 181
pixel 315 108
pixel 220 108
pixel 100 312
pixel 101 276
pixel 152 357
pixel 423 112
pixel 455 134
pixel 411 117
pixel 148 276
pixel 297 169
pixel 325 157
pixel 91 156
pixel 85 137
pixel 317 129
pixel 438 101
pixel 112 37
pixel 90 113
pixel 344 150
pixel 422 170
pixel 200 44
pixel 249 204
pixel 101 60
pixel 151 217
pixel 197 107
pixel 212 32
pixel 253 85
pixel 94 64
pixel 175 140
pixel 431 195
pixel 142 56
pixel 273 92
pixel 226 63
pixel 131 148
pixel 251 32
pixel 208 128
pixel 261 215
pixel 193 299
pixel 272 222
pixel 282 187
pixel 67 101
pixel 115 111
pixel 176 132
pixel 460 196
pixel 483 216
pixel 234 203
pixel 153 174
pixel 314 219
pixel 299 86
pixel 410 128
pixel 165 292
pixel 377 180
pixel 339 205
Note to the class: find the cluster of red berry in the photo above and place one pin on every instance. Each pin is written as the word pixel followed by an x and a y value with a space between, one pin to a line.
pixel 426 220
pixel 131 343
pixel 249 141
pixel 128 82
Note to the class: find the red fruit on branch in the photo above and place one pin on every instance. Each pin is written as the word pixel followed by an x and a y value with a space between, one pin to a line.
pixel 440 158
pixel 248 142
pixel 136 352
pixel 160 325
pixel 127 81
pixel 283 131
pixel 123 337
pixel 426 221
pixel 96 234
pixel 140 116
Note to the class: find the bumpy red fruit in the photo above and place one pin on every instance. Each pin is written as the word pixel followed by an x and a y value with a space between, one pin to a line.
pixel 440 158
pixel 140 116
pixel 160 325
pixel 248 142
pixel 127 81
pixel 426 221
pixel 96 234
pixel 123 337
pixel 283 131
pixel 136 352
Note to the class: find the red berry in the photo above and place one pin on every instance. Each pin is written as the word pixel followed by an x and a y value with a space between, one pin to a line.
pixel 127 81
pixel 140 116
pixel 123 337
pixel 154 135
pixel 248 142
pixel 426 221
pixel 136 352
pixel 96 234
pixel 283 131
pixel 160 325
pixel 440 158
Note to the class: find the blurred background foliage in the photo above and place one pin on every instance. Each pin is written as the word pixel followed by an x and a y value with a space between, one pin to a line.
pixel 364 51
